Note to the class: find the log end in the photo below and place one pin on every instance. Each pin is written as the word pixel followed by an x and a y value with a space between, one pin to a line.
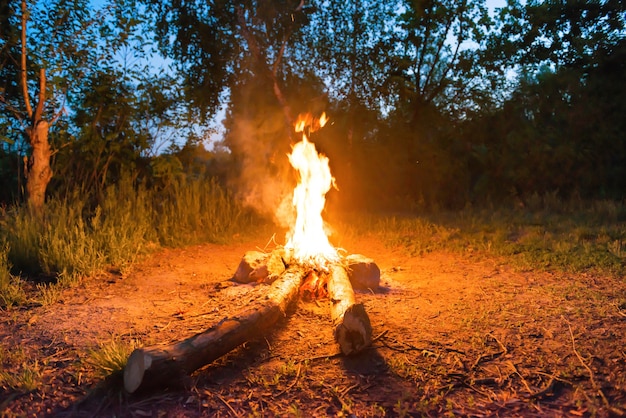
pixel 136 366
pixel 354 332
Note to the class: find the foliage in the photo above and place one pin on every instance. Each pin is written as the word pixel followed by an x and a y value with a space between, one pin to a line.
pixel 572 236
pixel 75 239
pixel 198 35
pixel 109 106
pixel 454 104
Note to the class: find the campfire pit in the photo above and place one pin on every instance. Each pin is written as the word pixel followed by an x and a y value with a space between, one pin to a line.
pixel 307 266
pixel 159 365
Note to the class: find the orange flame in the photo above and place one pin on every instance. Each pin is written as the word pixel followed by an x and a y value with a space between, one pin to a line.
pixel 308 238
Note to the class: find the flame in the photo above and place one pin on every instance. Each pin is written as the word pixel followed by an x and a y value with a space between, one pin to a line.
pixel 307 237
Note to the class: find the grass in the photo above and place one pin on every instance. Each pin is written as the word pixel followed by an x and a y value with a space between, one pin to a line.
pixel 11 291
pixel 110 357
pixel 18 372
pixel 74 239
pixel 567 236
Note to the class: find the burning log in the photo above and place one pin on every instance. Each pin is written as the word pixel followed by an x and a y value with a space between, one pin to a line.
pixel 160 364
pixel 352 327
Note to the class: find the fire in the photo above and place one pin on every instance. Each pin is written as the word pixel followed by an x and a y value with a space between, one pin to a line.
pixel 307 237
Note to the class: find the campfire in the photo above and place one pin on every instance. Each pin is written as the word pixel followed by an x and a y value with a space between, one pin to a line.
pixel 308 267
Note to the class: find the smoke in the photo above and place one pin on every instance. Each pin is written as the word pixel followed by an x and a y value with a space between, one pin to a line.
pixel 266 180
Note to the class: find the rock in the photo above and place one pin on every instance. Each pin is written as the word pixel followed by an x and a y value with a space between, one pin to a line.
pixel 250 267
pixel 363 272
pixel 275 265
pixel 256 266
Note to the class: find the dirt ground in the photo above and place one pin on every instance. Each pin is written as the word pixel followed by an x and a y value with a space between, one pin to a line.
pixel 454 335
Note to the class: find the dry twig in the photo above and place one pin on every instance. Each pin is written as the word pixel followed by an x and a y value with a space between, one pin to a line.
pixel 232 410
pixel 592 377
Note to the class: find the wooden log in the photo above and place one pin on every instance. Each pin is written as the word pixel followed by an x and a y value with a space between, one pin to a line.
pixel 159 365
pixel 351 325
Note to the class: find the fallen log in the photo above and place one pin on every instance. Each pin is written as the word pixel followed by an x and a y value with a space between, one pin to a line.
pixel 159 365
pixel 351 325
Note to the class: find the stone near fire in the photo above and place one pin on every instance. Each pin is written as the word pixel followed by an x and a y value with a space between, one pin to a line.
pixel 251 262
pixel 363 272
pixel 273 268
pixel 256 266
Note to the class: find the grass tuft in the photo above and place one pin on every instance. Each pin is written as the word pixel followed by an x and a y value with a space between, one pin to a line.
pixel 110 357
pixel 19 373
pixel 11 291
pixel 27 378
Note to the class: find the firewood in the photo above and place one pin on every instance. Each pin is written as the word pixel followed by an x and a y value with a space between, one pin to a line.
pixel 351 325
pixel 160 365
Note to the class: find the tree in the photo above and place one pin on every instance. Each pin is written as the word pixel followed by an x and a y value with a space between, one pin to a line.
pixel 37 171
pixel 111 109
pixel 562 127
pixel 200 37
pixel 241 51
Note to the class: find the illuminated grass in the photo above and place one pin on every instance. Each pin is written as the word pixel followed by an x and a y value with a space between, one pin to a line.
pixel 566 237
pixel 111 357
pixel 18 372
pixel 74 240
pixel 11 292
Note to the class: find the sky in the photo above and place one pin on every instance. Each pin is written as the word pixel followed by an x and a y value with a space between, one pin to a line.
pixel 160 64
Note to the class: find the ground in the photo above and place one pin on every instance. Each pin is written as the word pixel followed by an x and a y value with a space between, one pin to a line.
pixel 455 334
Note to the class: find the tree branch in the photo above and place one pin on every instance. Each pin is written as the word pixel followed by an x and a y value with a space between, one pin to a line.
pixel 42 96
pixel 450 64
pixel 23 79
pixel 422 54
pixel 437 56
pixel 279 57
pixel 262 61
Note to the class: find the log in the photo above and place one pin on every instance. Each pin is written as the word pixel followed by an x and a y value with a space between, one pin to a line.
pixel 159 365
pixel 351 325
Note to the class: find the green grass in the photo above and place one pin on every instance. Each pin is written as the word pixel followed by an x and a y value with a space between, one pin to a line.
pixel 11 291
pixel 75 239
pixel 570 236
pixel 18 372
pixel 111 357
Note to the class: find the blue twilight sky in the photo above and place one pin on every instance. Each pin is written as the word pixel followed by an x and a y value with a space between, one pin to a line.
pixel 159 65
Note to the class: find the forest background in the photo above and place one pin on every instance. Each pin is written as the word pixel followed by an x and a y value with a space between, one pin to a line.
pixel 434 105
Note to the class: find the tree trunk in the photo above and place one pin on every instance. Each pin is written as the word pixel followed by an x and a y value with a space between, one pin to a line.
pixel 352 327
pixel 158 365
pixel 38 172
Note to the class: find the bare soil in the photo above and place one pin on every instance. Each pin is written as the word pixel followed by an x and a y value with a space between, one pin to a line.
pixel 462 335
